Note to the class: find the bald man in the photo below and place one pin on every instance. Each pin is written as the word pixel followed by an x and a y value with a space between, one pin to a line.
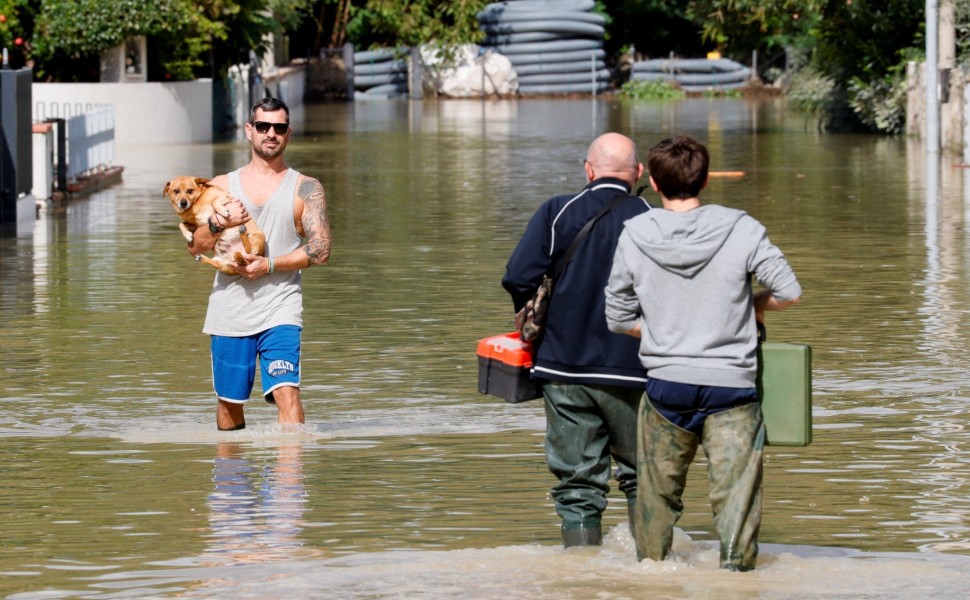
pixel 591 378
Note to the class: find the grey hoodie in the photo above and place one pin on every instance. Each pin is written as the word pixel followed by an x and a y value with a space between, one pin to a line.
pixel 686 277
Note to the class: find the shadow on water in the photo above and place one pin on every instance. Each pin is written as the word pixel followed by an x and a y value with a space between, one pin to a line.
pixel 408 483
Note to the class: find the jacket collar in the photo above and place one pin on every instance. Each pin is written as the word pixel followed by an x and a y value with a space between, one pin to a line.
pixel 608 182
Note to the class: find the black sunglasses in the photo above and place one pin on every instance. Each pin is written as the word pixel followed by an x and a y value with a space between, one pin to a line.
pixel 263 127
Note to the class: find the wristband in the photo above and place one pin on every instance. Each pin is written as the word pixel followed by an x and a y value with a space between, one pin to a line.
pixel 270 259
pixel 214 228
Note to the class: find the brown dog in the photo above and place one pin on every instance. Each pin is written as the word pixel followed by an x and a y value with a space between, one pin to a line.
pixel 195 200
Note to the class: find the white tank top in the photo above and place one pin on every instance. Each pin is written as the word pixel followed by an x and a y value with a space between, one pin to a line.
pixel 240 307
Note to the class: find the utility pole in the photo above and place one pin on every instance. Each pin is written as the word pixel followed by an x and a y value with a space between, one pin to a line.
pixel 932 77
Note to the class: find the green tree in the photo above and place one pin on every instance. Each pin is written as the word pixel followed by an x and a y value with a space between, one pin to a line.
pixel 655 28
pixel 386 23
pixel 740 26
pixel 324 26
pixel 867 38
pixel 242 26
pixel 64 38
pixel 13 32
pixel 961 23
pixel 692 27
pixel 415 22
pixel 69 35
pixel 856 50
pixel 863 47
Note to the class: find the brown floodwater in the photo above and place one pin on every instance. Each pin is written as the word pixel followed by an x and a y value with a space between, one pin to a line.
pixel 406 482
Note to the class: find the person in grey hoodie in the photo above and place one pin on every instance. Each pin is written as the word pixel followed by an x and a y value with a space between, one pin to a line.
pixel 681 282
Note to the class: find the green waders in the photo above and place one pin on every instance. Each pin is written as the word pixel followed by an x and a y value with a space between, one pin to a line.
pixel 734 444
pixel 586 425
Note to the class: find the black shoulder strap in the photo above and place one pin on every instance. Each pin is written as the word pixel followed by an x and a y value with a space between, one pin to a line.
pixel 581 236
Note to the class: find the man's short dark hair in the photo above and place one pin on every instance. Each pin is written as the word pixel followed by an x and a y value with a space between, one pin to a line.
pixel 679 167
pixel 269 104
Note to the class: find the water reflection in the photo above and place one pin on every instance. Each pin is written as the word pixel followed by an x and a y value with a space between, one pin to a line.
pixel 943 217
pixel 256 513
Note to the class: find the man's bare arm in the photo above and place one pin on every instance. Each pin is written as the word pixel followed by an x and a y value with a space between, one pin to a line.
pixel 316 225
pixel 203 241
pixel 311 206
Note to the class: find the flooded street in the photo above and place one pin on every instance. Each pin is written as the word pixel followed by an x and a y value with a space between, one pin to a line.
pixel 406 482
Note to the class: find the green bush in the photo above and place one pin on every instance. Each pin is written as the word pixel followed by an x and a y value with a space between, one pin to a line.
pixel 810 91
pixel 650 90
pixel 713 93
pixel 880 104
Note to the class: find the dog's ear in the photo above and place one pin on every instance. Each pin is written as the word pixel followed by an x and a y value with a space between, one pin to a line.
pixel 168 186
pixel 202 181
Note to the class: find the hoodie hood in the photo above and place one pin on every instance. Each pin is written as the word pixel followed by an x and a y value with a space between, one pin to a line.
pixel 684 242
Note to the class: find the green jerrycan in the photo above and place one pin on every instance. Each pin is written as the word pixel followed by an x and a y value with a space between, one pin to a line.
pixel 785 391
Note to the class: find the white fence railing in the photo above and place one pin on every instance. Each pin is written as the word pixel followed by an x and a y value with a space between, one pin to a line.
pixel 90 141
pixel 90 134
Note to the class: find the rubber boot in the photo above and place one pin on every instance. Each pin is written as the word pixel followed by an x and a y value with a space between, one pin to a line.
pixel 631 513
pixel 576 448
pixel 664 454
pixel 734 443
pixel 581 534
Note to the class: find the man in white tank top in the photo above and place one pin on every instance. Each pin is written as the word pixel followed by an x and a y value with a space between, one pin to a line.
pixel 255 317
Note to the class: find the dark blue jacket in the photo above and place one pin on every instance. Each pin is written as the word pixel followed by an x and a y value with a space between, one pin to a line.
pixel 577 346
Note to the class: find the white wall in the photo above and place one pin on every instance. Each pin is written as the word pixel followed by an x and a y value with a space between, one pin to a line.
pixel 163 113
pixel 146 113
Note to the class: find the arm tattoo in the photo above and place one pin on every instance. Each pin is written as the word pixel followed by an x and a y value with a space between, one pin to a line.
pixel 316 226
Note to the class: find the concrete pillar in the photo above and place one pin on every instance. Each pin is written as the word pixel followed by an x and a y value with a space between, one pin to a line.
pixel 349 65
pixel 948 44
pixel 416 73
pixel 43 159
pixel 126 62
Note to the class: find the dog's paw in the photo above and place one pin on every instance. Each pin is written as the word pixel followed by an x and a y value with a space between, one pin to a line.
pixel 198 258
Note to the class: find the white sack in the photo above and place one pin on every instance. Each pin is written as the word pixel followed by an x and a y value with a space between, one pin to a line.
pixel 471 74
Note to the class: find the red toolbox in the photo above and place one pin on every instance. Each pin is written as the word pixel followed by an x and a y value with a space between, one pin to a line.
pixel 504 365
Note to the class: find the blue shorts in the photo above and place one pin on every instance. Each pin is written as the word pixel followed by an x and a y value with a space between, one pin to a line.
pixel 234 362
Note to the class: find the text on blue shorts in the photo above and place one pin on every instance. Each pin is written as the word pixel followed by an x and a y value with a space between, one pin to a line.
pixel 234 359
